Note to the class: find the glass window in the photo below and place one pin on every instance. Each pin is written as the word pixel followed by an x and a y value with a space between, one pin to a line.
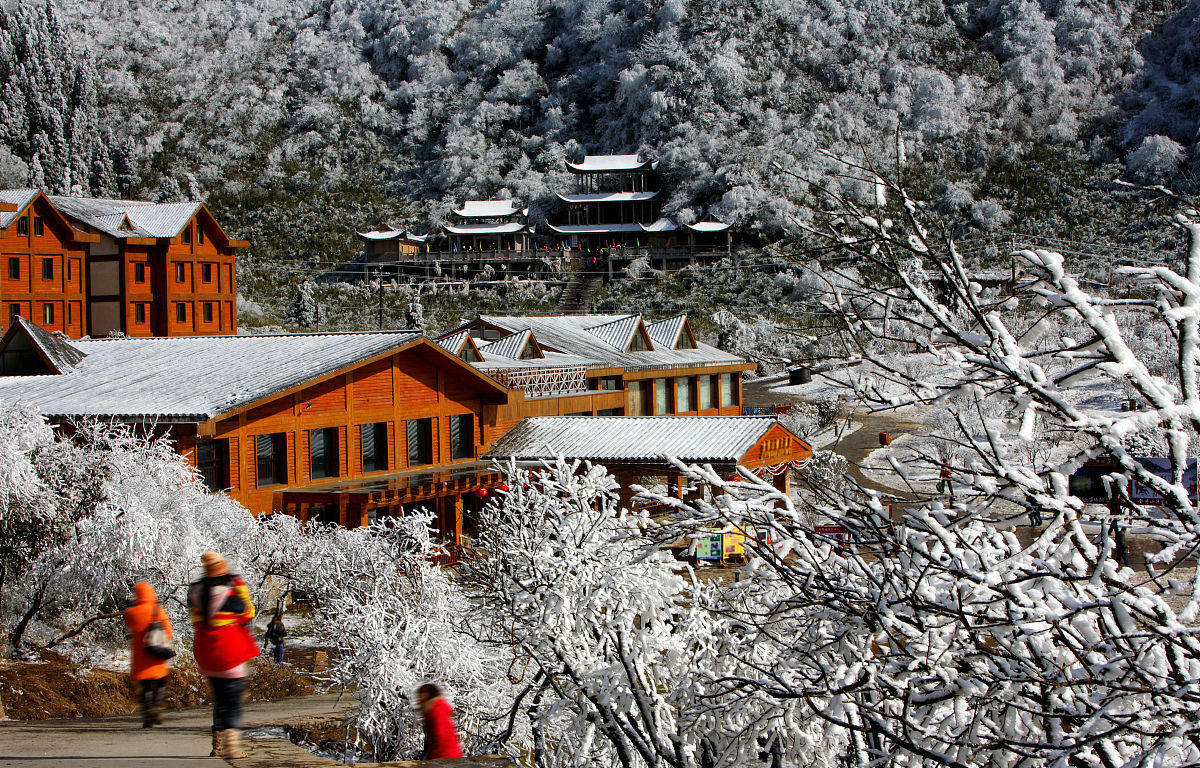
pixel 462 436
pixel 200 234
pixel 208 312
pixel 187 234
pixel 180 272
pixel 683 394
pixel 374 447
pixel 139 272
pixel 638 398
pixel 47 313
pixel 420 441
pixel 662 397
pixel 23 225
pixel 611 412
pixel 271 459
pixel 14 311
pixel 728 391
pixel 211 463
pixel 707 384
pixel 323 452
pixel 181 312
pixel 39 226
pixel 206 272
pixel 47 269
pixel 69 263
pixel 139 313
pixel 14 268
pixel 637 343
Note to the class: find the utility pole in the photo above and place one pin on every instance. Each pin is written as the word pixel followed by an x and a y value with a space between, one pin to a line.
pixel 380 275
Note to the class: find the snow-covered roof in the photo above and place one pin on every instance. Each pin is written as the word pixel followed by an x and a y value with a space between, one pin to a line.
pixel 21 198
pixel 510 346
pixel 662 225
pixel 610 164
pixel 708 226
pixel 665 333
pixel 596 229
pixel 716 439
pixel 608 197
pixel 574 335
pixel 506 228
pixel 57 353
pixel 388 233
pixel 617 333
pixel 488 209
pixel 492 363
pixel 189 379
pixel 454 342
pixel 145 219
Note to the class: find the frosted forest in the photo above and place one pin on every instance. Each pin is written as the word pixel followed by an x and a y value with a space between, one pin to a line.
pixel 299 122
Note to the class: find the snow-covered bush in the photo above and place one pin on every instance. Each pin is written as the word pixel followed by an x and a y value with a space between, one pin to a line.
pixel 1155 161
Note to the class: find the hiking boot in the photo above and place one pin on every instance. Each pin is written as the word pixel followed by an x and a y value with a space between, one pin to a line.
pixel 217 745
pixel 231 747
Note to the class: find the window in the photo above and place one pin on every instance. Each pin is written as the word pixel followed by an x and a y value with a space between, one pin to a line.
pixel 39 227
pixel 139 313
pixel 728 390
pixel 187 234
pixel 211 463
pixel 610 383
pixel 47 269
pixel 23 226
pixel 611 412
pixel 637 343
pixel 271 459
pixel 206 272
pixel 200 235
pixel 639 397
pixel 374 447
pixel 70 313
pixel 707 385
pixel 180 272
pixel 684 394
pixel 462 436
pixel 139 272
pixel 70 263
pixel 14 268
pixel 323 452
pixel 48 314
pixel 14 311
pixel 662 397
pixel 181 312
pixel 420 441
pixel 208 312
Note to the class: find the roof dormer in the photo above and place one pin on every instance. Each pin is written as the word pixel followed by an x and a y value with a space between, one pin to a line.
pixel 27 350
pixel 627 334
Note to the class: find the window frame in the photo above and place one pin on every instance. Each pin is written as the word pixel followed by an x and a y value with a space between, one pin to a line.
pixel 139 272
pixel 139 312
pixel 207 311
pixel 181 311
pixel 417 454
pixel 23 226
pixel 381 456
pixel 331 465
pixel 48 313
pixel 206 273
pixel 277 441
pixel 180 272
pixel 39 226
pixel 459 449
pixel 685 385
pixel 47 267
pixel 14 267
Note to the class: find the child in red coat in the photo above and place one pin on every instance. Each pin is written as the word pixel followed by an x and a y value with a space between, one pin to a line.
pixel 441 738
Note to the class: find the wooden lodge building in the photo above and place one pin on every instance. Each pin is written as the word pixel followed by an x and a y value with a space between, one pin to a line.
pixel 92 267
pixel 348 427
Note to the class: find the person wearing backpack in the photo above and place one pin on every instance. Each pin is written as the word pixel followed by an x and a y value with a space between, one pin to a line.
pixel 276 632
pixel 147 621
pixel 221 613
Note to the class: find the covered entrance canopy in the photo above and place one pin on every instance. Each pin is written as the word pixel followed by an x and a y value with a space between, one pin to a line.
pixel 635 447
pixel 444 491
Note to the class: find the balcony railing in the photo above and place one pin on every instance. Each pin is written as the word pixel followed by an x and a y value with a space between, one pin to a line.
pixel 544 382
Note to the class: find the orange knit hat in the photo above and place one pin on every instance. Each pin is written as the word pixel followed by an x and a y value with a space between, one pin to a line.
pixel 214 564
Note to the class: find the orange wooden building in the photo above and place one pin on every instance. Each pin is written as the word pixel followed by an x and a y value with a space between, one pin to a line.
pixel 91 267
pixel 347 427
pixel 156 269
pixel 42 270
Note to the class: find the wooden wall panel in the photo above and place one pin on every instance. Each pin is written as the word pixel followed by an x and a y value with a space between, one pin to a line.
pixel 416 381
pixel 327 397
pixel 373 387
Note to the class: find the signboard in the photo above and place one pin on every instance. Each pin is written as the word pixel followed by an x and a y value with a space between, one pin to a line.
pixel 1087 483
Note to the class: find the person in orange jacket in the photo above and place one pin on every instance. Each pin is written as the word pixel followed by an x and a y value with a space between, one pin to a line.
pixel 441 737
pixel 149 671
pixel 221 610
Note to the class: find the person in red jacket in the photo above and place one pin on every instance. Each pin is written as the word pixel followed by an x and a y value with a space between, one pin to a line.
pixel 149 671
pixel 441 738
pixel 222 645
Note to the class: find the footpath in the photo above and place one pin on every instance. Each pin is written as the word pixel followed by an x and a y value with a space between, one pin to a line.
pixel 183 741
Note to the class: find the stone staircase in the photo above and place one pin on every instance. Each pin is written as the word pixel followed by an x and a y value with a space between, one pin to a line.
pixel 577 296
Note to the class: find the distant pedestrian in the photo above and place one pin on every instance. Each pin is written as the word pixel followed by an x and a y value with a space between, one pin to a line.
pixel 944 485
pixel 148 669
pixel 276 632
pixel 221 611
pixel 1120 547
pixel 1035 516
pixel 441 738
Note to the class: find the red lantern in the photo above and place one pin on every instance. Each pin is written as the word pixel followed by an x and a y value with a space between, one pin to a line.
pixel 481 492
pixel 503 487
